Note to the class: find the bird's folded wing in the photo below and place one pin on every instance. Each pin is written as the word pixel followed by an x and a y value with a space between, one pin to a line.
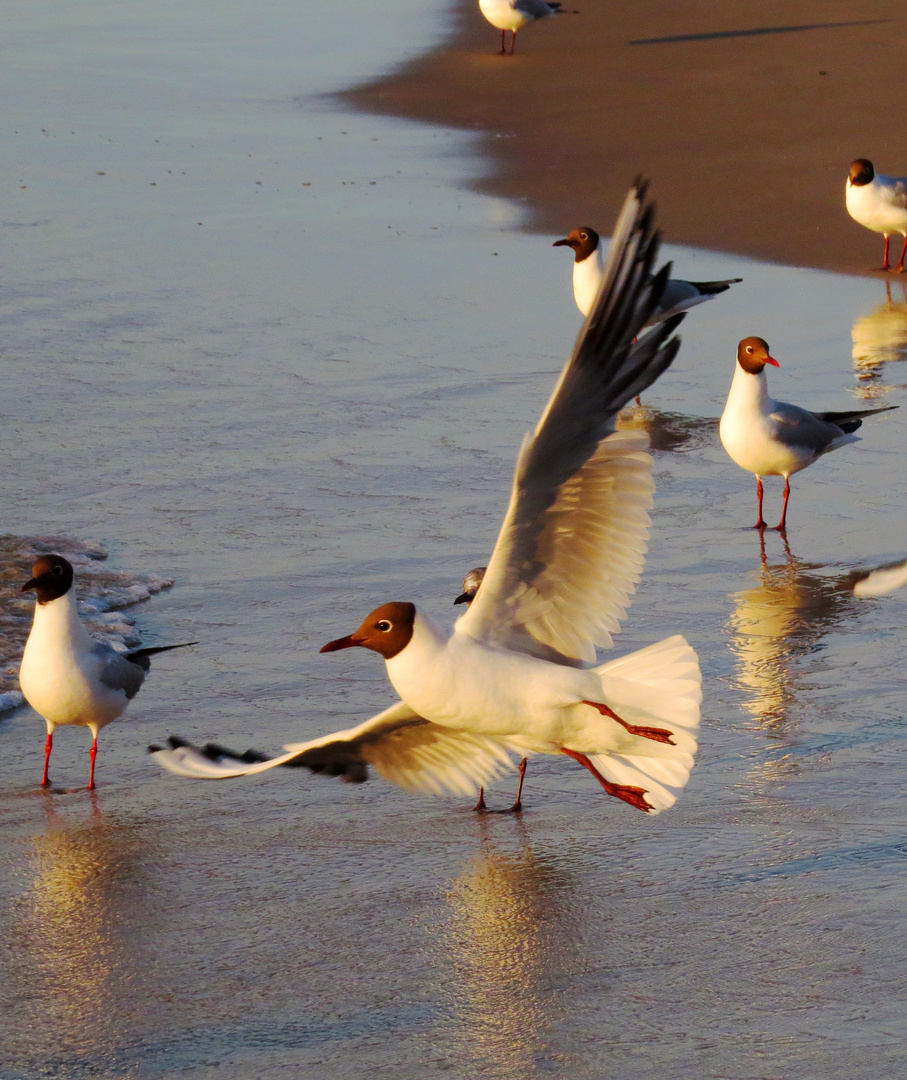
pixel 794 426
pixel 402 746
pixel 116 671
pixel 894 192
pixel 573 541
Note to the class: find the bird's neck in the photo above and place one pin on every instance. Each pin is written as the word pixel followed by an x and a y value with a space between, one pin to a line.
pixel 58 621
pixel 587 277
pixel 415 665
pixel 748 391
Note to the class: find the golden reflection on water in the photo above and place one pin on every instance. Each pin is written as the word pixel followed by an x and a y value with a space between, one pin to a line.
pixel 504 950
pixel 879 337
pixel 780 620
pixel 78 926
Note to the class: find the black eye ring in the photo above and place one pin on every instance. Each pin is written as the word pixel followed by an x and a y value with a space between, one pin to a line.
pixel 583 236
pixel 749 348
pixel 384 625
pixel 58 570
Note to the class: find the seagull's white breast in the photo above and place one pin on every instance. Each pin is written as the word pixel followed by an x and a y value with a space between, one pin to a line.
pixel 503 14
pixel 59 675
pixel 868 205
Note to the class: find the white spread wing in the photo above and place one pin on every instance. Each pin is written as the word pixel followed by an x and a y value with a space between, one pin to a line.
pixel 573 540
pixel 402 746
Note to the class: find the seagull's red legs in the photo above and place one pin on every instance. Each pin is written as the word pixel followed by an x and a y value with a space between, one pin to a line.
pixel 885 265
pixel 899 269
pixel 48 746
pixel 781 527
pixel 517 805
pixel 656 734
pixel 635 796
pixel 760 524
pixel 92 753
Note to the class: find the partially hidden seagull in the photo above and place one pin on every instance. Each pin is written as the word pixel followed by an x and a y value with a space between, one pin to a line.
pixel 878 203
pixel 588 268
pixel 518 675
pixel 68 677
pixel 513 14
pixel 773 438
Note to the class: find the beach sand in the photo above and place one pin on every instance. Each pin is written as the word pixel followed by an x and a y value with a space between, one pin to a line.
pixel 745 116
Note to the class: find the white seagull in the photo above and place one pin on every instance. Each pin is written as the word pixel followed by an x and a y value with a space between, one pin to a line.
pixel 513 14
pixel 879 203
pixel 519 674
pixel 588 268
pixel 773 438
pixel 66 676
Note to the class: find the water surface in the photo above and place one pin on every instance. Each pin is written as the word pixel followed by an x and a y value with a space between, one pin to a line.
pixel 278 353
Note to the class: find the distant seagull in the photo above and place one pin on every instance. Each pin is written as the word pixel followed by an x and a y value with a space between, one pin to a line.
pixel 587 276
pixel 471 584
pixel 513 14
pixel 66 676
pixel 773 438
pixel 878 202
pixel 883 580
pixel 520 674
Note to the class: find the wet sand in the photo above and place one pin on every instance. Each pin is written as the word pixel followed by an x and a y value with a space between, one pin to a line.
pixel 746 116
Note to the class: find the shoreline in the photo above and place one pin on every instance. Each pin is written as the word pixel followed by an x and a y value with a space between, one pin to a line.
pixel 745 120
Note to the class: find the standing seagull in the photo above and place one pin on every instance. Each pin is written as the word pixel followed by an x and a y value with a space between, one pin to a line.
pixel 512 14
pixel 878 202
pixel 67 676
pixel 517 674
pixel 773 438
pixel 588 269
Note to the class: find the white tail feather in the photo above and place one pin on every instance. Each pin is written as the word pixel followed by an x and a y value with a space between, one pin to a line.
pixel 659 686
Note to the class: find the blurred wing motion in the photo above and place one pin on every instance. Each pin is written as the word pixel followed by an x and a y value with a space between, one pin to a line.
pixel 573 542
pixel 402 746
pixel 884 580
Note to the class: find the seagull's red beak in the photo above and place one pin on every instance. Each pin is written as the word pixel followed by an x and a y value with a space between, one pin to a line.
pixel 562 243
pixel 341 643
pixel 771 360
pixel 32 583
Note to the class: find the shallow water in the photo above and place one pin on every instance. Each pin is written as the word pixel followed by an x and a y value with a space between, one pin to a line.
pixel 309 403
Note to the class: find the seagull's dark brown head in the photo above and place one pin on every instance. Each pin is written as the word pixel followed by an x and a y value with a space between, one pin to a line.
pixel 584 241
pixel 861 173
pixel 753 355
pixel 51 578
pixel 387 630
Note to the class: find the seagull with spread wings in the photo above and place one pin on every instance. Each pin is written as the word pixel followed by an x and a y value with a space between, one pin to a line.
pixel 519 675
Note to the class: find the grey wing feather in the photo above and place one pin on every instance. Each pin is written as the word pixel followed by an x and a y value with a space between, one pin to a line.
pixel 894 191
pixel 117 672
pixel 536 9
pixel 799 427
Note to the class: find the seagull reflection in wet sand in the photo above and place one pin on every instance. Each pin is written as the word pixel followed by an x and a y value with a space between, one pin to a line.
pixel 76 955
pixel 506 947
pixel 776 623
pixel 879 338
